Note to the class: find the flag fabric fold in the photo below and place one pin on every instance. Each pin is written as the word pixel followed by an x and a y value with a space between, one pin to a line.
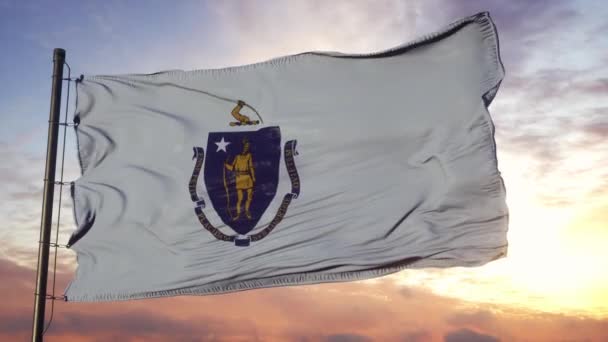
pixel 309 168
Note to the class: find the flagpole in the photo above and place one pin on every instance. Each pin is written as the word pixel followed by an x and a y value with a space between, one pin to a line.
pixel 47 197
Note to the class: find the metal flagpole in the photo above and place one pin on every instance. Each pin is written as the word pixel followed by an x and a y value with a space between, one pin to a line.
pixel 47 198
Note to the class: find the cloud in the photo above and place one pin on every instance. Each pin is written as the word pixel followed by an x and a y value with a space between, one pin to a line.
pixel 478 319
pixel 139 324
pixel 346 338
pixel 466 335
pixel 552 122
pixel 522 25
pixel 21 177
pixel 597 129
pixel 407 292
pixel 312 25
pixel 417 336
pixel 544 88
pixel 135 322
pixel 353 311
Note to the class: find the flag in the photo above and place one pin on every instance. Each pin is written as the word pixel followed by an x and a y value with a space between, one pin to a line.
pixel 310 168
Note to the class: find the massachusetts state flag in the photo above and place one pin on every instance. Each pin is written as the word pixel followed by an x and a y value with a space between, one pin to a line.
pixel 315 167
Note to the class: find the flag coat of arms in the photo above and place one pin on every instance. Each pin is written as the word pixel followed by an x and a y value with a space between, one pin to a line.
pixel 309 168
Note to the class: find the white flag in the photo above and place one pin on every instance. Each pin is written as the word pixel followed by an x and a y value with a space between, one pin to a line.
pixel 316 167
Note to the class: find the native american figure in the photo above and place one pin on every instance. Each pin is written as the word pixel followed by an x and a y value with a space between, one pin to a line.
pixel 242 166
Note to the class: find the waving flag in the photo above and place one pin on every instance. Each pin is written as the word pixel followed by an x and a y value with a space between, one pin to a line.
pixel 310 168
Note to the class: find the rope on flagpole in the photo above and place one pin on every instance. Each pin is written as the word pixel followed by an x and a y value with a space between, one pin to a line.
pixel 52 297
pixel 222 98
pixel 168 84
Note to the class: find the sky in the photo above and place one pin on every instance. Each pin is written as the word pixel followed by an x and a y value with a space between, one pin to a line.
pixel 551 117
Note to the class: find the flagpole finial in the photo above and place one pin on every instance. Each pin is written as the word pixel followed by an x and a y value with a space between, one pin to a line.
pixel 58 52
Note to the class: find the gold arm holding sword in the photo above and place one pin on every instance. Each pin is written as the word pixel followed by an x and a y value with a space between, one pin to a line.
pixel 242 120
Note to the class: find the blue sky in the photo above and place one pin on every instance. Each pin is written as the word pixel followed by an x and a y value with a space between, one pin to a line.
pixel 99 37
pixel 551 117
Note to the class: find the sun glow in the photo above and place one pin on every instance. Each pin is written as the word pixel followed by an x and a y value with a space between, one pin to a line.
pixel 556 262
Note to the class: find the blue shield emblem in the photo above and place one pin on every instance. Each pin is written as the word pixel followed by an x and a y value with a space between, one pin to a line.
pixel 241 174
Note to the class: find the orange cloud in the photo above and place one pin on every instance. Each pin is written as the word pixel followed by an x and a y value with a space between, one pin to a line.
pixel 356 311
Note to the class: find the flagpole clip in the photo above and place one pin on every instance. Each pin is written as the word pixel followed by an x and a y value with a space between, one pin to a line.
pixel 63 183
pixel 51 297
pixel 52 244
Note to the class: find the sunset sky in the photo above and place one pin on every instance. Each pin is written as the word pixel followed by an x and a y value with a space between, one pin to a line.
pixel 551 117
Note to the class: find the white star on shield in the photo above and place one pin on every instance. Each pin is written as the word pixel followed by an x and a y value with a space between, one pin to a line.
pixel 221 145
